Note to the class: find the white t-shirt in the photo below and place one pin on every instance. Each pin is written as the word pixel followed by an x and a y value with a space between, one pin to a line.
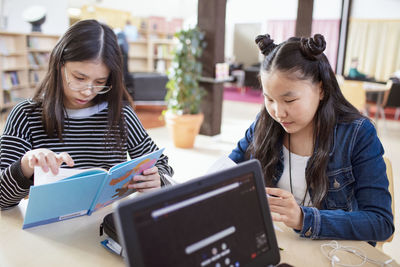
pixel 86 112
pixel 299 185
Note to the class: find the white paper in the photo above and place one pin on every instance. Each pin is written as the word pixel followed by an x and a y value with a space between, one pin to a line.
pixel 41 177
pixel 277 227
pixel 223 162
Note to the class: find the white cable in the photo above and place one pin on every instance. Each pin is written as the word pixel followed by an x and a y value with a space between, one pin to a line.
pixel 335 260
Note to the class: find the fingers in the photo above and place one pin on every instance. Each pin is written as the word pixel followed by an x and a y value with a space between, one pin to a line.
pixel 279 209
pixel 284 207
pixel 65 157
pixel 52 163
pixel 278 197
pixel 48 160
pixel 152 170
pixel 276 217
pixel 146 182
pixel 277 192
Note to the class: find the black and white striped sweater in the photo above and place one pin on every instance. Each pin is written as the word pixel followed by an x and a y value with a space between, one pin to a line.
pixel 83 139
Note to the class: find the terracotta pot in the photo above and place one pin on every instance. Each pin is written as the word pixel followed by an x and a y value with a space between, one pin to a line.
pixel 184 128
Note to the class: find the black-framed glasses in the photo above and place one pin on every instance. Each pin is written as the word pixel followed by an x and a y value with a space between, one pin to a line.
pixel 77 85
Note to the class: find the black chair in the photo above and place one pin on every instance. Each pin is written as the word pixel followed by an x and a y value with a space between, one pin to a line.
pixel 251 76
pixel 392 99
pixel 149 87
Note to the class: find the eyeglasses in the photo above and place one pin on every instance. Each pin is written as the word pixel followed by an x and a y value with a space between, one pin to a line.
pixel 77 85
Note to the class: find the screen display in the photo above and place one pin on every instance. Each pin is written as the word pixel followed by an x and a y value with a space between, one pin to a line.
pixel 221 225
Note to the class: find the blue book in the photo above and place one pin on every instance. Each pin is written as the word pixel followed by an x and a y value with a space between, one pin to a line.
pixel 83 193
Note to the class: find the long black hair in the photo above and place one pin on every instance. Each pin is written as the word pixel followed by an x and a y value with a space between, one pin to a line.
pixel 85 40
pixel 304 58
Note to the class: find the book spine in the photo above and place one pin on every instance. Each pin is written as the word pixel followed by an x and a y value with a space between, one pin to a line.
pixel 93 205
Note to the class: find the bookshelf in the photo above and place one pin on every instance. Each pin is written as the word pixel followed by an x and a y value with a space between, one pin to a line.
pixel 139 54
pixel 24 59
pixel 23 62
pixel 151 55
pixel 162 54
pixel 13 68
pixel 39 47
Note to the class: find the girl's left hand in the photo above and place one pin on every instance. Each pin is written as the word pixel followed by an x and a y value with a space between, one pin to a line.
pixel 149 180
pixel 285 208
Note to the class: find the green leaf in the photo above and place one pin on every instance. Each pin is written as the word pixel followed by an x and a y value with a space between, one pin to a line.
pixel 183 92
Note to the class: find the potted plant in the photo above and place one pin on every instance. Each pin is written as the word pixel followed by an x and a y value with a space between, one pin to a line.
pixel 184 95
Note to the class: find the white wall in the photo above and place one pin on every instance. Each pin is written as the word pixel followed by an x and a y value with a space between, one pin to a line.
pixel 260 11
pixel 255 12
pixel 373 9
pixel 327 9
pixel 56 20
pixel 186 9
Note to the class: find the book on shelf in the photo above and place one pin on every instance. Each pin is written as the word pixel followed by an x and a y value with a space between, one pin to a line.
pixel 160 66
pixel 14 78
pixel 31 59
pixel 3 47
pixel 36 76
pixel 6 82
pixel 10 79
pixel 33 77
pixel 32 42
pixel 20 94
pixel 38 59
pixel 77 192
pixel 6 97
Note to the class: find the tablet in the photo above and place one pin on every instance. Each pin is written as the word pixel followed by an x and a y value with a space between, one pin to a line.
pixel 220 219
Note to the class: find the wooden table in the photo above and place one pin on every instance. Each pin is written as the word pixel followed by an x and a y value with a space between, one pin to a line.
pixel 76 242
pixel 379 88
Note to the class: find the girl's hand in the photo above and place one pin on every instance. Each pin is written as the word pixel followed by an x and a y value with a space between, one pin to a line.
pixel 44 158
pixel 149 180
pixel 285 208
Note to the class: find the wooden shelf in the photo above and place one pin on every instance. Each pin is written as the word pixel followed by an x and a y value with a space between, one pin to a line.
pixel 14 69
pixel 18 73
pixel 138 57
pixel 9 105
pixel 42 67
pixel 38 50
pixel 16 87
pixel 12 54
pixel 144 55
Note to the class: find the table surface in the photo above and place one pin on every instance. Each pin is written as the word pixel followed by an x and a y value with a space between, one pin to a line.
pixel 375 87
pixel 76 242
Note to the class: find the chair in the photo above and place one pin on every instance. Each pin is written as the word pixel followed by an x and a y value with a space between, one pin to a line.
pixel 389 173
pixel 354 92
pixel 251 76
pixel 340 79
pixel 391 98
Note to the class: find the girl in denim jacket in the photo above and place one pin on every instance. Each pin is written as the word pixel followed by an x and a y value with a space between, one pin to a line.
pixel 321 159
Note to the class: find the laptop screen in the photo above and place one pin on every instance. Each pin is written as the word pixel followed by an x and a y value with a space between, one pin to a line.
pixel 217 220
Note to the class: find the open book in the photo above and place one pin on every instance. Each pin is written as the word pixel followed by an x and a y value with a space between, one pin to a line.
pixel 84 192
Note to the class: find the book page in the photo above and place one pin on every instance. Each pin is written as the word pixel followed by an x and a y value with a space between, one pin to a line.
pixel 223 162
pixel 121 175
pixel 41 177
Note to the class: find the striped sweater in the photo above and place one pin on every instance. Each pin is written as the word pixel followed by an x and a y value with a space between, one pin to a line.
pixel 83 139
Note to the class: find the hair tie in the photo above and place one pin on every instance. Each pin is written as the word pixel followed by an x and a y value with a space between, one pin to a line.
pixel 311 48
pixel 265 44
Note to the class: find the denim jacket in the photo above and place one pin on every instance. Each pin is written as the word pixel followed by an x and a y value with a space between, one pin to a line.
pixel 358 203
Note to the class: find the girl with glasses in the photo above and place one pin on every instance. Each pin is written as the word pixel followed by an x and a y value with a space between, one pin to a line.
pixel 81 116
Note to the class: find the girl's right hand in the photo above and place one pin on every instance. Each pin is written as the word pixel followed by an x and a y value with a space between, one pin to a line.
pixel 44 158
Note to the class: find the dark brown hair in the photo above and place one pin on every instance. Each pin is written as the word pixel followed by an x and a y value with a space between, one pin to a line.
pixel 85 40
pixel 303 58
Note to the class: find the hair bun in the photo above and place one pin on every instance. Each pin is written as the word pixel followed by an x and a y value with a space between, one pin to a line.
pixel 313 47
pixel 265 44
